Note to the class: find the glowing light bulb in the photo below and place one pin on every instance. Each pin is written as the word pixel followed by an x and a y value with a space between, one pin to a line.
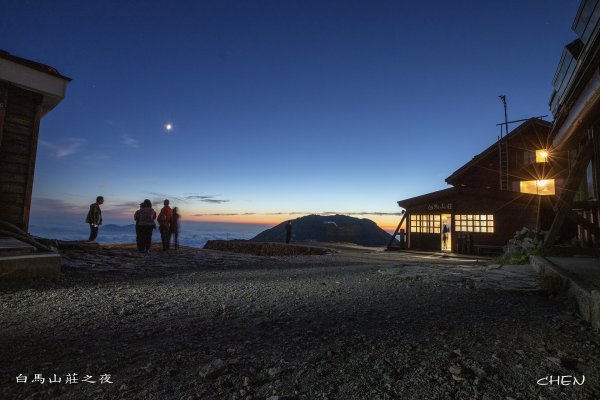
pixel 541 156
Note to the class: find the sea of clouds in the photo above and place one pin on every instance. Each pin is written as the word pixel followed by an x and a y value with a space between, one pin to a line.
pixel 194 234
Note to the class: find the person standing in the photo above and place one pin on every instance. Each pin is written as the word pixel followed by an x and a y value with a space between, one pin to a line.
pixel 146 225
pixel 445 232
pixel 136 217
pixel 164 222
pixel 94 218
pixel 174 227
pixel 288 231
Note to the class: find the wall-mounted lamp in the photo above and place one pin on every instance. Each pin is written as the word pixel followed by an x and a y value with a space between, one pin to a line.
pixel 541 156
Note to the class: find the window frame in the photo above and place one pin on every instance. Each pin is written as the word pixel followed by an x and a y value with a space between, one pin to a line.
pixel 474 223
pixel 425 223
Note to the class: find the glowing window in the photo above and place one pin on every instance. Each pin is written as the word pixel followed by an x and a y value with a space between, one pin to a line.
pixel 474 223
pixel 543 187
pixel 425 223
pixel 541 156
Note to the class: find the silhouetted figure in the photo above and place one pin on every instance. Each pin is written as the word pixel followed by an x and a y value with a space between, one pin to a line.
pixel 136 217
pixel 94 218
pixel 164 222
pixel 288 231
pixel 146 225
pixel 174 228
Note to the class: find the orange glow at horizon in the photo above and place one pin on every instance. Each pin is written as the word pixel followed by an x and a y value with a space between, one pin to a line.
pixel 385 222
pixel 388 223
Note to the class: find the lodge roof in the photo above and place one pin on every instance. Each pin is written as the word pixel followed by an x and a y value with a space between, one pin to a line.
pixel 511 135
pixel 453 192
pixel 32 64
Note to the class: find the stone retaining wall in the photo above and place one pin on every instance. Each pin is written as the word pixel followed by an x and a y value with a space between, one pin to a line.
pixel 264 248
pixel 563 283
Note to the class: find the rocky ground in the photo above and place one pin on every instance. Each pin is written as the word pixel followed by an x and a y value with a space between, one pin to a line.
pixel 357 324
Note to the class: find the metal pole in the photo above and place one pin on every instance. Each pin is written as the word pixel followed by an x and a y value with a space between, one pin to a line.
pixel 504 182
pixel 505 117
pixel 537 220
pixel 503 99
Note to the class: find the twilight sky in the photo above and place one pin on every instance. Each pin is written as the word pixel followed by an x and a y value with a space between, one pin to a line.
pixel 279 108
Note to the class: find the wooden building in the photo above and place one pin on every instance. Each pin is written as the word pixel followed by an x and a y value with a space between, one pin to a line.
pixel 575 104
pixel 508 186
pixel 28 90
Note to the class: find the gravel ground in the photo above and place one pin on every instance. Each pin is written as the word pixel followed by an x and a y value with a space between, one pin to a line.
pixel 201 324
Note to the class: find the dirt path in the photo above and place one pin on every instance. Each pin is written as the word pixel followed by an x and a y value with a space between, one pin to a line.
pixel 352 325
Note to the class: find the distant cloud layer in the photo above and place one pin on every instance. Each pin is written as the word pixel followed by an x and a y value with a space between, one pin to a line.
pixel 222 214
pixel 214 201
pixel 131 142
pixel 189 197
pixel 364 213
pixel 166 196
pixel 378 213
pixel 57 207
pixel 127 205
pixel 62 150
pixel 206 199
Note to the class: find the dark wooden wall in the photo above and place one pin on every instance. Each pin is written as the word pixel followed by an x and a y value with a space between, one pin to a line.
pixel 20 113
pixel 426 241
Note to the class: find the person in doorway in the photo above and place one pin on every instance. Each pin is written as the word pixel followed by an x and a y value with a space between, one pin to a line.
pixel 174 227
pixel 288 231
pixel 445 232
pixel 164 222
pixel 146 224
pixel 94 218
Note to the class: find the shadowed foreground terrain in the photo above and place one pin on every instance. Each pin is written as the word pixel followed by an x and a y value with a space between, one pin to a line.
pixel 358 324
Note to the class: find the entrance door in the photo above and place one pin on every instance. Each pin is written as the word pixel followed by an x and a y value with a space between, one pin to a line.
pixel 446 232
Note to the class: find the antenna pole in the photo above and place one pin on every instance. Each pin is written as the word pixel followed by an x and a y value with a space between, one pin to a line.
pixel 503 150
pixel 503 99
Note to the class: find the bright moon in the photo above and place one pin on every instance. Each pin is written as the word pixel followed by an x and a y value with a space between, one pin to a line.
pixel 168 127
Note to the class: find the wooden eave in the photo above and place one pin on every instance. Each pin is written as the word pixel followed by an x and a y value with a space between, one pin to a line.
pixel 33 65
pixel 34 77
pixel 440 194
pixel 480 194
